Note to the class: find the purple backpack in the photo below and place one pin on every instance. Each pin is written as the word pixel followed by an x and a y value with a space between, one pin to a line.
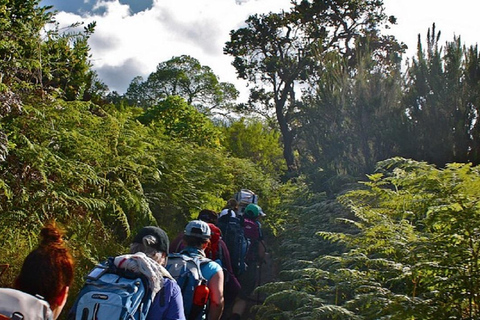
pixel 252 232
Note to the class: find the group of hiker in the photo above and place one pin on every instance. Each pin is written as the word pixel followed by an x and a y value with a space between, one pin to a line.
pixel 208 271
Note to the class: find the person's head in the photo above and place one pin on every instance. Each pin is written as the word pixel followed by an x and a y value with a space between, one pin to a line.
pixel 197 234
pixel 152 241
pixel 253 211
pixel 48 270
pixel 232 204
pixel 209 216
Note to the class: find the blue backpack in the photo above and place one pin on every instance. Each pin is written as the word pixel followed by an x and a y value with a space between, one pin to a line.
pixel 112 293
pixel 187 272
pixel 234 237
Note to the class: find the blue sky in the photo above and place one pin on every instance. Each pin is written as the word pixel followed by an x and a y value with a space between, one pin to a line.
pixel 82 6
pixel 133 36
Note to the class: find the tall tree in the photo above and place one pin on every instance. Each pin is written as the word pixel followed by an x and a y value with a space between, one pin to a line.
pixel 441 102
pixel 186 77
pixel 350 119
pixel 36 55
pixel 472 92
pixel 65 63
pixel 275 51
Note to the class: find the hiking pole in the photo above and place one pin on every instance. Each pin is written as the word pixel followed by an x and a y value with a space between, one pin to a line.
pixel 259 281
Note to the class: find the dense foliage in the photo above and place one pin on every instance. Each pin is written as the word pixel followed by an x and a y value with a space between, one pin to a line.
pixel 181 120
pixel 367 112
pixel 336 89
pixel 350 120
pixel 92 166
pixel 441 100
pixel 253 139
pixel 410 249
pixel 401 245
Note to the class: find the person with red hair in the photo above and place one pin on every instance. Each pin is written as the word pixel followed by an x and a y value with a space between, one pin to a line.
pixel 41 288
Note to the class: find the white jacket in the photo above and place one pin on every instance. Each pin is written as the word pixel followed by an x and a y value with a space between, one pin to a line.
pixel 17 302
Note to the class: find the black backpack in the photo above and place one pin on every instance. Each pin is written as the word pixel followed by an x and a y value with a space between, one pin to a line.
pixel 234 237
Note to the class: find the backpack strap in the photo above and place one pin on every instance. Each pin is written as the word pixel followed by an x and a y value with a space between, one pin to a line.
pixel 162 296
pixel 202 260
pixel 198 260
pixel 260 230
pixel 148 297
pixel 220 252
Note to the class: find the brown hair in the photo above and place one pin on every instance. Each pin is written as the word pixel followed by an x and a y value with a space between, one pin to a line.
pixel 208 216
pixel 195 242
pixel 48 269
pixel 232 204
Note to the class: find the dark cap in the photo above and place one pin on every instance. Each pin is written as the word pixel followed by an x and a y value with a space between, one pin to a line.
pixel 161 244
pixel 208 216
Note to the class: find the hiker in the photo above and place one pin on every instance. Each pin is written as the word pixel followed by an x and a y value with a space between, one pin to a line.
pixel 230 209
pixel 41 288
pixel 218 251
pixel 168 302
pixel 133 286
pixel 254 258
pixel 207 215
pixel 197 237
pixel 244 197
pixel 231 226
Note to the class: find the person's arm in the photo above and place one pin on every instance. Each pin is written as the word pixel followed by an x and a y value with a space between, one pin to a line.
pixel 216 296
pixel 174 306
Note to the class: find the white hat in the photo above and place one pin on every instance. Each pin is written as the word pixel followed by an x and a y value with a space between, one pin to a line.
pixel 225 212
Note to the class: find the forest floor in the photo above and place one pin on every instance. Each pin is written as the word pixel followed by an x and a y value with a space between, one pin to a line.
pixel 267 273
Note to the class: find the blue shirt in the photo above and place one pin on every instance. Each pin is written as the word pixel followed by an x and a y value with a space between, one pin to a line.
pixel 168 303
pixel 208 269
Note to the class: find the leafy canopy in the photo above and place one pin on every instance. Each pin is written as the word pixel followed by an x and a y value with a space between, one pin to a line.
pixel 181 120
pixel 253 139
pixel 183 76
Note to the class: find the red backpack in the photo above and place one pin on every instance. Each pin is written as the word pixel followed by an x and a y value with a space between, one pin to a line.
pixel 212 250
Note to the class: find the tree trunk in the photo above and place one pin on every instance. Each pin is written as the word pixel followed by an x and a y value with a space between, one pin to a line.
pixel 287 134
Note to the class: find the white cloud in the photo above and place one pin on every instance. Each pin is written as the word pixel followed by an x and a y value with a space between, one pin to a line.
pixel 450 17
pixel 198 28
pixel 134 44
